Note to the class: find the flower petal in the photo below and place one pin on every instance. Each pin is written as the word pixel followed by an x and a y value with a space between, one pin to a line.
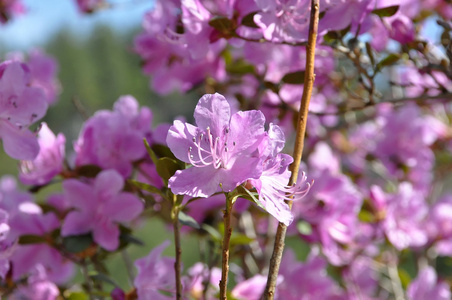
pixel 212 111
pixel 106 235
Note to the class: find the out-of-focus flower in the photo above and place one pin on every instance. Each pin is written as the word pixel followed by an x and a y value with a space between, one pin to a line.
pixel 114 139
pixel 98 208
pixel 427 286
pixel 20 106
pixel 49 161
pixel 155 276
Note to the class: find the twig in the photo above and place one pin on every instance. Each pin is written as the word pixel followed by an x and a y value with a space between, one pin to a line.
pixel 396 101
pixel 178 249
pixel 275 260
pixel 262 40
pixel 225 251
pixel 80 108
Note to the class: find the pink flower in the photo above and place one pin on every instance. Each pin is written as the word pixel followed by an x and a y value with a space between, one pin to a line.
pixel 49 161
pixel 114 139
pixel 8 8
pixel 98 208
pixel 222 149
pixel 89 6
pixel 426 286
pixel 20 106
pixel 43 69
pixel 38 287
pixel 155 275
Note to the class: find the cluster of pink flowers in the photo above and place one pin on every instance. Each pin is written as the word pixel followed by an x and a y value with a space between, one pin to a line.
pixel 379 201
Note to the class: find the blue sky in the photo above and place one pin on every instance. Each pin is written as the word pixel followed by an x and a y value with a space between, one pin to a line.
pixel 44 17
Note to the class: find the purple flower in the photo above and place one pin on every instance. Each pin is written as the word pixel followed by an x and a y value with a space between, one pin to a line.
pixel 272 184
pixel 49 161
pixel 38 287
pixel 43 69
pixel 89 6
pixel 283 20
pixel 20 106
pixel 426 286
pixel 308 280
pixel 250 289
pixel 98 207
pixel 30 220
pixel 114 139
pixel 155 275
pixel 404 216
pixel 223 149
pixel 9 8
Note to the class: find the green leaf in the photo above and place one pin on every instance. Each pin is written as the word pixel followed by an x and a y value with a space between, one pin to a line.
pixel 250 196
pixel 28 239
pixel 386 12
pixel 78 296
pixel 188 220
pixel 240 67
pixel 222 24
pixel 370 53
pixel 304 227
pixel 145 187
pixel 151 153
pixel 48 208
pixel 77 243
pixel 405 278
pixel 366 216
pixel 240 239
pixel 216 235
pixel 128 238
pixel 90 171
pixel 248 20
pixel 387 61
pixel 163 151
pixel 102 277
pixel 166 167
pixel 294 77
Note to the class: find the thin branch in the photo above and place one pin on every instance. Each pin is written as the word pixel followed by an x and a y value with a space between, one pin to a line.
pixel 225 251
pixel 80 108
pixel 275 260
pixel 395 101
pixel 262 40
pixel 178 249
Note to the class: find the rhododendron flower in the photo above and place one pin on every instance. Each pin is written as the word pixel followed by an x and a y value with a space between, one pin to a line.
pixel 155 275
pixel 43 71
pixel 38 287
pixel 272 184
pixel 98 207
pixel 9 8
pixel 88 6
pixel 405 215
pixel 30 220
pixel 426 286
pixel 20 106
pixel 114 139
pixel 222 149
pixel 49 161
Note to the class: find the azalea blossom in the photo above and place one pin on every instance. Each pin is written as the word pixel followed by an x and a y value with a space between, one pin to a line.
pixel 98 208
pixel 20 106
pixel 223 149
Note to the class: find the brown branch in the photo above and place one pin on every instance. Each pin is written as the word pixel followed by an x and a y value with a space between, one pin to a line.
pixel 275 260
pixel 225 251
pixel 395 101
pixel 177 246
pixel 262 40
